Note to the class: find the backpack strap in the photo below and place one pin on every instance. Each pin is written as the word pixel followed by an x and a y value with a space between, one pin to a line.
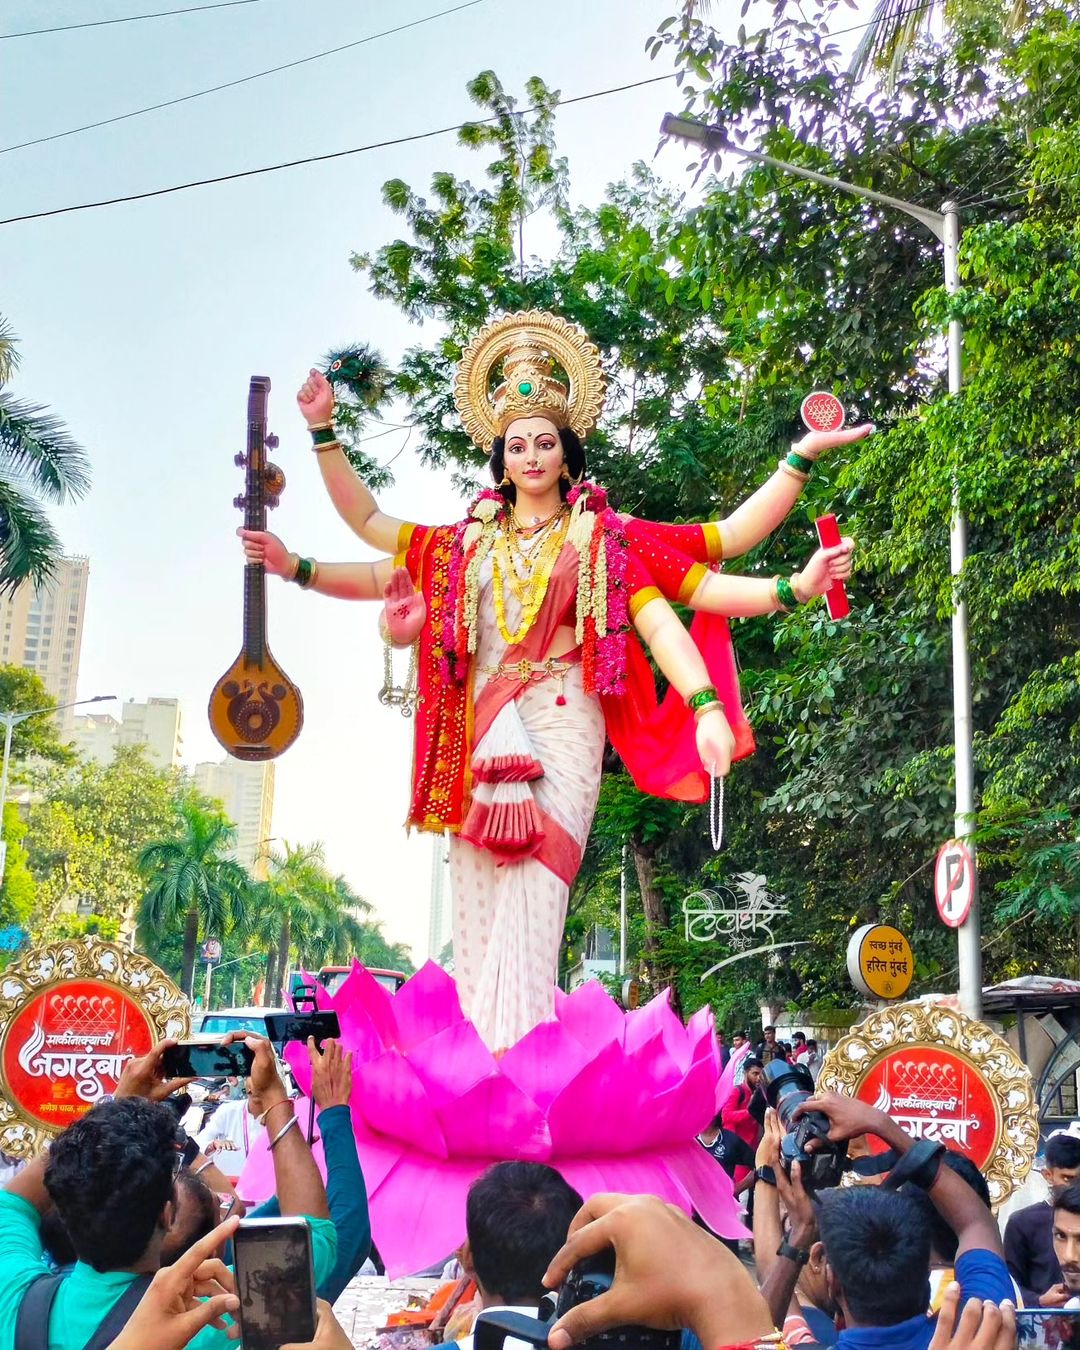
pixel 32 1321
pixel 116 1319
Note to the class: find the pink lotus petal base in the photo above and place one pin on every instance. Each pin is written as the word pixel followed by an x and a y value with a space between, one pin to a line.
pixel 612 1100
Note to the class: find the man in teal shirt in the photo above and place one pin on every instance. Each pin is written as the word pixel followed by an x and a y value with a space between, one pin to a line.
pixel 111 1176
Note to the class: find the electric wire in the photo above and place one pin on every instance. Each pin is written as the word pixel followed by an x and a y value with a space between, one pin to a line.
pixel 130 18
pixel 316 159
pixel 232 84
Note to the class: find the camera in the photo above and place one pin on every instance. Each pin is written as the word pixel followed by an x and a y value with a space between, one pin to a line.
pixel 588 1279
pixel 786 1087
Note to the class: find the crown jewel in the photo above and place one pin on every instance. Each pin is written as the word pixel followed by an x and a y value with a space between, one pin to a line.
pixel 528 344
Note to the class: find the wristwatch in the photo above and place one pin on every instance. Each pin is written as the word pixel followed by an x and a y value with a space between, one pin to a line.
pixel 765 1174
pixel 799 1255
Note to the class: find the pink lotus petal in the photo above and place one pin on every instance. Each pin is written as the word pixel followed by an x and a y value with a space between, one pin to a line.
pixel 451 1062
pixel 495 1120
pixel 598 1109
pixel 725 1087
pixel 393 1102
pixel 657 1018
pixel 544 1061
pixel 296 1057
pixel 650 1061
pixel 418 1213
pixel 681 1112
pixel 591 1015
pixel 425 1004
pixel 364 992
pixel 710 1189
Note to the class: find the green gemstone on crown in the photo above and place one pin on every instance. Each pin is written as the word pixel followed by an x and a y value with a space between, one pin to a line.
pixel 525 388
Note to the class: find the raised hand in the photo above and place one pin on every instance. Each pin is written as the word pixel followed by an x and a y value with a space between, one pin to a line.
pixel 715 741
pixel 331 1074
pixel 826 566
pixel 980 1326
pixel 145 1076
pixel 265 548
pixel 816 443
pixel 315 398
pixel 405 609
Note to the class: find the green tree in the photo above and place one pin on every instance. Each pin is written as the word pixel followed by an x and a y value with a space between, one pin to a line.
pixel 38 461
pixel 87 823
pixel 23 690
pixel 191 881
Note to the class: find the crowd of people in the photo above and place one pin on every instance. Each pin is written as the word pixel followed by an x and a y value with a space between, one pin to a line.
pixel 121 1234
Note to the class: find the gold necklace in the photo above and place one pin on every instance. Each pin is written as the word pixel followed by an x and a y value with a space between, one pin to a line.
pixel 530 590
pixel 537 525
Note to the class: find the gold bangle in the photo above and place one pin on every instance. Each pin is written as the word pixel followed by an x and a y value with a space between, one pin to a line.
pixel 790 469
pixel 798 590
pixel 814 455
pixel 327 445
pixel 281 1101
pixel 328 426
pixel 314 575
pixel 294 567
pixel 718 706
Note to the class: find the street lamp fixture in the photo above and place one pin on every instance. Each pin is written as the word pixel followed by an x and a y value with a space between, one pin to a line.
pixel 944 225
pixel 9 721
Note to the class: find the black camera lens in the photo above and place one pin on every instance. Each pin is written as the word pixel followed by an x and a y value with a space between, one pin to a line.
pixel 787 1087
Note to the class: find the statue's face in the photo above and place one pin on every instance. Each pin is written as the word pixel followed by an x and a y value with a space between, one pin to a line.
pixel 533 455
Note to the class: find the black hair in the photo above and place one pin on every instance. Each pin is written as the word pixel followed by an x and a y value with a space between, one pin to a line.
pixel 878 1245
pixel 811 1044
pixel 943 1239
pixel 767 1029
pixel 110 1175
pixel 573 455
pixel 200 1217
pixel 800 1036
pixel 1069 1199
pixel 56 1240
pixel 516 1216
pixel 1062 1150
pixel 752 1062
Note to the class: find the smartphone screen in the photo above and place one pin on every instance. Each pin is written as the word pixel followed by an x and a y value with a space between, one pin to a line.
pixel 282 1027
pixel 275 1282
pixel 207 1058
pixel 1047 1328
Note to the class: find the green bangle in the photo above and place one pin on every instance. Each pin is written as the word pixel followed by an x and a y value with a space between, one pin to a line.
pixel 800 462
pixel 785 593
pixel 704 698
pixel 323 435
pixel 305 572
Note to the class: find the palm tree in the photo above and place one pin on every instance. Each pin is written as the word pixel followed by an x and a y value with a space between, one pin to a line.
pixel 895 27
pixel 38 459
pixel 192 882
pixel 298 887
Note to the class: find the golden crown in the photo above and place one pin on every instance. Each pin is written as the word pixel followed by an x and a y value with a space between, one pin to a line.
pixel 528 344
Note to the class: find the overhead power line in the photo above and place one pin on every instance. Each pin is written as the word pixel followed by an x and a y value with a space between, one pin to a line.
pixel 244 79
pixel 130 18
pixel 316 159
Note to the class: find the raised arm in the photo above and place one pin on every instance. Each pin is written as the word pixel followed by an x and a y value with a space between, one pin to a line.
pixel 352 500
pixel 343 581
pixel 755 519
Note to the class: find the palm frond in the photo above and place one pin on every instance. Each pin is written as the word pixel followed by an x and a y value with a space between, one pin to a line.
pixel 36 444
pixel 9 356
pixel 891 32
pixel 29 546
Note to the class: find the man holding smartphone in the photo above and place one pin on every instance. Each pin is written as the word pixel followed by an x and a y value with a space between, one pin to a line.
pixel 111 1176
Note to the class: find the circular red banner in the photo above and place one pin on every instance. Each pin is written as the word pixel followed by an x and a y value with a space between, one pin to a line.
pixel 935 1093
pixel 66 1048
pixel 822 412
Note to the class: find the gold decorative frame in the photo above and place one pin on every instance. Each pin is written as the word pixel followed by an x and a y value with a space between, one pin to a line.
pixel 165 1007
pixel 579 357
pixel 908 1024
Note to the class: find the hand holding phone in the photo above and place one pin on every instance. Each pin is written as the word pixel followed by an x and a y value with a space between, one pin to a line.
pixel 275 1280
pixel 207 1057
pixel 300 1026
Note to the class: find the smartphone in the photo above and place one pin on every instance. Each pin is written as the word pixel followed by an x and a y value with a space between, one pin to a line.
pixel 295 1026
pixel 275 1282
pixel 1047 1328
pixel 207 1058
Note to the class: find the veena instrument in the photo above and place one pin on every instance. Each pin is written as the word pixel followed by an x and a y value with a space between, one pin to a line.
pixel 256 711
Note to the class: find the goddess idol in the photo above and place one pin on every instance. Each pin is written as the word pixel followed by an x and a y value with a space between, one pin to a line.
pixel 531 618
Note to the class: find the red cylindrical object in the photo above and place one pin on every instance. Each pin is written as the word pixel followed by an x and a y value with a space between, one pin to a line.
pixel 828 533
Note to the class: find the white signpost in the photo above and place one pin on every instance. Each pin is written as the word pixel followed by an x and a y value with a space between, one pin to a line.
pixel 954 882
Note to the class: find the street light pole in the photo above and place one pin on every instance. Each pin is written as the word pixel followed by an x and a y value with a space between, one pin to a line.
pixel 10 720
pixel 944 225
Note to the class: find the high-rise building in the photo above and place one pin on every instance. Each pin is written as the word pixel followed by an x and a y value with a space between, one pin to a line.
pixel 41 628
pixel 154 724
pixel 439 915
pixel 246 791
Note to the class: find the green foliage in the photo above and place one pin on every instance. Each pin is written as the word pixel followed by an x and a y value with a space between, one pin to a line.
pixel 38 459
pixel 714 320
pixel 23 690
pixel 18 891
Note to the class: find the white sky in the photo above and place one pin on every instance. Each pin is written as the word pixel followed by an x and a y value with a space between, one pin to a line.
pixel 140 325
